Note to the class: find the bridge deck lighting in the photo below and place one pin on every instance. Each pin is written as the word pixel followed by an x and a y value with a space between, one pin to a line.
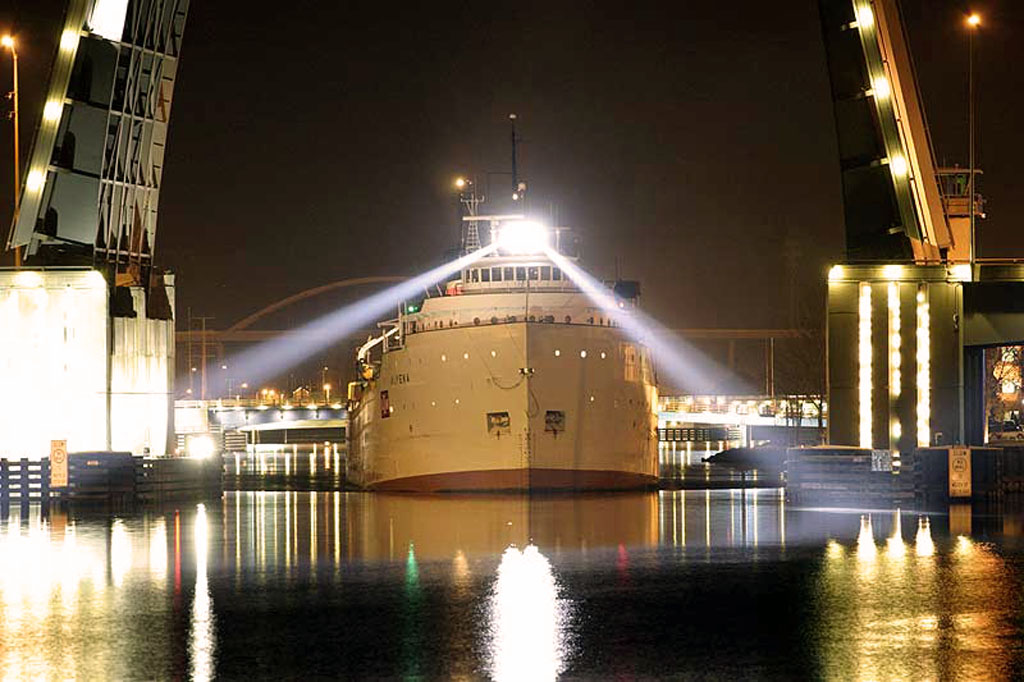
pixel 52 110
pixel 35 181
pixel 898 164
pixel 974 20
pixel 7 41
pixel 881 87
pixel 865 17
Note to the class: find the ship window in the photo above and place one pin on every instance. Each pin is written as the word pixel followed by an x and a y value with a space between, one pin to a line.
pixel 521 274
pixel 556 274
pixel 554 421
pixel 509 275
pixel 545 272
pixel 485 275
pixel 534 273
pixel 474 275
pixel 496 274
pixel 499 424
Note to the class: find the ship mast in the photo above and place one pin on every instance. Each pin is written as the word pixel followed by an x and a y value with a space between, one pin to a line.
pixel 470 200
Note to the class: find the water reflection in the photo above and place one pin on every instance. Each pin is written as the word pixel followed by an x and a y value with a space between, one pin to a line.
pixel 948 613
pixel 923 544
pixel 356 585
pixel 203 640
pixel 527 618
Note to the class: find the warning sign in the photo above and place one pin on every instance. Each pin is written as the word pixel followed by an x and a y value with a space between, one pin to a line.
pixel 959 472
pixel 58 463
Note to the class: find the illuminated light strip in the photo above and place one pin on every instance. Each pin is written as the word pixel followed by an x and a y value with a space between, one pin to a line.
pixel 864 353
pixel 895 342
pixel 924 389
pixel 895 370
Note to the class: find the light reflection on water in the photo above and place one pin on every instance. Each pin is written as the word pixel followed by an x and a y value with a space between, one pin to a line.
pixel 348 584
pixel 527 619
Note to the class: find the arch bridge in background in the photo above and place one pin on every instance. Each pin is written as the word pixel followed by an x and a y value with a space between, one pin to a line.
pixel 240 331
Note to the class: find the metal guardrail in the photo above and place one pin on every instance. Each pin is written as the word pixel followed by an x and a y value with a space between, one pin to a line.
pixel 698 434
pixel 23 480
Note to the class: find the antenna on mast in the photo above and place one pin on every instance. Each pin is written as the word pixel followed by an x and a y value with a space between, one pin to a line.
pixel 518 188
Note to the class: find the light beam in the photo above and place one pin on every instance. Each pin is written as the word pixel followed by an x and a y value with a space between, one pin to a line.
pixel 269 359
pixel 685 366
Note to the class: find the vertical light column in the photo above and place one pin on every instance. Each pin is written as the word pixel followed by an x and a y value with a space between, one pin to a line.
pixel 924 388
pixel 864 354
pixel 895 373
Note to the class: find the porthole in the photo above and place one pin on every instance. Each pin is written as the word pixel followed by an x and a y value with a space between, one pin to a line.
pixel 494 353
pixel 494 319
pixel 456 401
pixel 591 398
pixel 476 320
pixel 568 319
pixel 444 358
pixel 465 356
pixel 557 352
pixel 603 355
pixel 583 353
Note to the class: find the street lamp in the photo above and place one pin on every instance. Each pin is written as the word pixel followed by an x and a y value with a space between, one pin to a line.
pixel 7 42
pixel 973 22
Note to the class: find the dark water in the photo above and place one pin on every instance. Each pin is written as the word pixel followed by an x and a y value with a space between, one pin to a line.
pixel 708 584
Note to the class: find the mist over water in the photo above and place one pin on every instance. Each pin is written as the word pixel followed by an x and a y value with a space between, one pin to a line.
pixel 725 583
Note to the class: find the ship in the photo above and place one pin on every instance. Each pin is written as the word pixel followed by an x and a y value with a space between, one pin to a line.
pixel 507 377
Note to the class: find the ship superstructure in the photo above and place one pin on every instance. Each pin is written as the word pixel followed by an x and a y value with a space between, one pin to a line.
pixel 507 378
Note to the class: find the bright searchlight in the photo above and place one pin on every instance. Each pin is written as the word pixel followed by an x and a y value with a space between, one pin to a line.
pixel 522 237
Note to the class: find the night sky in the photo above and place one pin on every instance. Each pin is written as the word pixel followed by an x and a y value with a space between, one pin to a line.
pixel 691 142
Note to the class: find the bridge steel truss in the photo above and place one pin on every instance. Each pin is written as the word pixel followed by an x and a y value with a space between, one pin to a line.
pixel 91 192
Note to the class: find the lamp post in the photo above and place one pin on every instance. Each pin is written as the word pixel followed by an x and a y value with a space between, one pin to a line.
pixel 973 21
pixel 8 42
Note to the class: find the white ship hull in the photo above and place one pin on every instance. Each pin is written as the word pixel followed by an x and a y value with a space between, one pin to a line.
pixel 472 400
